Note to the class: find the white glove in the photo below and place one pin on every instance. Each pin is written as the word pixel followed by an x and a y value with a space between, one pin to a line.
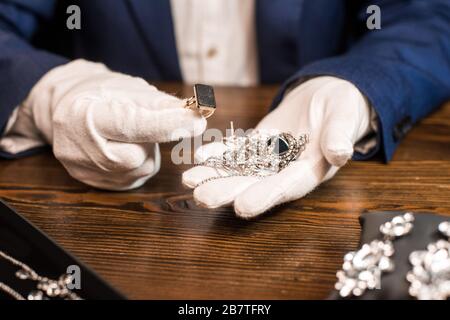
pixel 335 115
pixel 104 126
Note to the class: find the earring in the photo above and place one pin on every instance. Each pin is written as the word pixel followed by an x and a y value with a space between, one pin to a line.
pixel 362 269
pixel 430 275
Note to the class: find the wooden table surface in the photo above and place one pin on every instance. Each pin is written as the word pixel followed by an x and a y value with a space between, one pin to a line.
pixel 155 243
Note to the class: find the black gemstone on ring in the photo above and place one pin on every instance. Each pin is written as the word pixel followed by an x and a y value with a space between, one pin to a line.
pixel 204 96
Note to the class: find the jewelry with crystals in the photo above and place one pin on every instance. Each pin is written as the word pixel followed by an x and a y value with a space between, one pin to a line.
pixel 258 154
pixel 362 269
pixel 203 100
pixel 429 277
pixel 45 287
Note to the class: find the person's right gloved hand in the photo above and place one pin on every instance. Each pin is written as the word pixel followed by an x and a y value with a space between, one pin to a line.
pixel 104 126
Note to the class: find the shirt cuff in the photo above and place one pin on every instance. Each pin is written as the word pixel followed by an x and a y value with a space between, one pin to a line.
pixel 20 135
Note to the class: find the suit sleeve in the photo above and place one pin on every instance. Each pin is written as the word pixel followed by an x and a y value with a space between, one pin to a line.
pixel 21 65
pixel 403 68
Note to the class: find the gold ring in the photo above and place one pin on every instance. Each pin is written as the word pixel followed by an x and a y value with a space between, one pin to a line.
pixel 203 100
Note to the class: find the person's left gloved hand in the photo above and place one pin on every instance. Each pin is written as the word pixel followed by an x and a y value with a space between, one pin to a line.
pixel 335 115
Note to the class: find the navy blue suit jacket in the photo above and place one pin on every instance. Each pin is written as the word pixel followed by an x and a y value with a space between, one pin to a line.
pixel 403 69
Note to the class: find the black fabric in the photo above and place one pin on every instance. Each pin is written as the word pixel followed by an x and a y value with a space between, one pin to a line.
pixel 394 284
pixel 21 240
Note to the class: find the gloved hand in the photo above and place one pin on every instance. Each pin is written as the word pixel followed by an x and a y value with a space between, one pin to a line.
pixel 335 115
pixel 104 126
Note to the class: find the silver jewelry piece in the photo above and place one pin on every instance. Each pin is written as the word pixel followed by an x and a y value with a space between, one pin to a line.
pixel 362 269
pixel 430 275
pixel 46 288
pixel 10 291
pixel 258 154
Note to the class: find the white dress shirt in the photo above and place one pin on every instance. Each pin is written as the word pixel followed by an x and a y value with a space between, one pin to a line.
pixel 216 41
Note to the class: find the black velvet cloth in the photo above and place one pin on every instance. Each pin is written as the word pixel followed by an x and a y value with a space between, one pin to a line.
pixel 24 242
pixel 394 285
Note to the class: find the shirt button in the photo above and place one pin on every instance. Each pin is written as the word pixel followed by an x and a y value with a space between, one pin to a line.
pixel 211 53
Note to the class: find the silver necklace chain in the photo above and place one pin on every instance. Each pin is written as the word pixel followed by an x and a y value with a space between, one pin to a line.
pixel 256 155
pixel 10 291
pixel 25 268
pixel 46 288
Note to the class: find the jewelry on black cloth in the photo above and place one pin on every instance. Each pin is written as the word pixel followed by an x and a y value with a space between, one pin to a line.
pixel 45 287
pixel 429 277
pixel 362 269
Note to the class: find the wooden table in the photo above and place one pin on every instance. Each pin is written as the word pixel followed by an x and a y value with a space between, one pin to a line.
pixel 155 243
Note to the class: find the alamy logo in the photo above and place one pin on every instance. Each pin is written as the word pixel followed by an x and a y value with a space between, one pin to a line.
pixel 73 22
pixel 74 272
pixel 374 20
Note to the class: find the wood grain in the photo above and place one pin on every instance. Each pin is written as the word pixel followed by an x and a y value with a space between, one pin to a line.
pixel 155 243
